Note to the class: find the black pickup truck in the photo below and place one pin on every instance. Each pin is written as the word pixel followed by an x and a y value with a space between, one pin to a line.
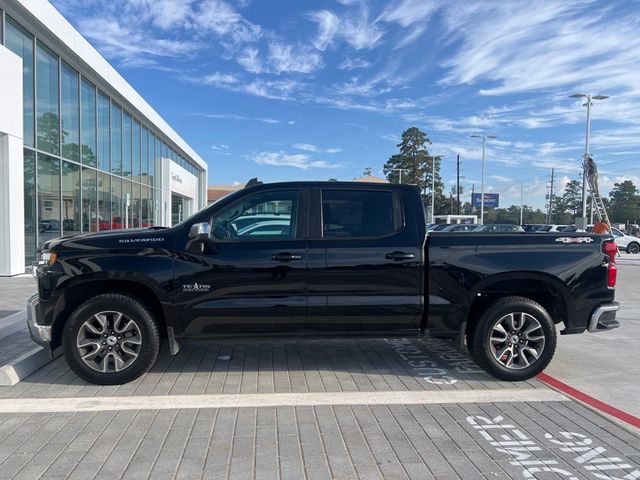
pixel 314 258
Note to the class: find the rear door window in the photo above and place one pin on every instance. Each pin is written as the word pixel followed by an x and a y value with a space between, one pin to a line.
pixel 357 214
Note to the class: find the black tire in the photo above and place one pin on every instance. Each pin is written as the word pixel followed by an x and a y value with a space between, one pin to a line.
pixel 633 247
pixel 139 348
pixel 518 347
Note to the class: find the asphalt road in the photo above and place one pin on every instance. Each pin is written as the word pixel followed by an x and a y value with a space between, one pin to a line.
pixel 606 365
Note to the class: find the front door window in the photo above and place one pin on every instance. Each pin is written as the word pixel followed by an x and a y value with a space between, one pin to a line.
pixel 263 216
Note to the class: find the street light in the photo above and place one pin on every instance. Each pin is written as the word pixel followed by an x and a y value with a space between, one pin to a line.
pixel 484 141
pixel 400 170
pixel 589 98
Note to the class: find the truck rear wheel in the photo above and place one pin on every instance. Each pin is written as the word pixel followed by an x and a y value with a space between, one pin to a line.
pixel 110 339
pixel 514 339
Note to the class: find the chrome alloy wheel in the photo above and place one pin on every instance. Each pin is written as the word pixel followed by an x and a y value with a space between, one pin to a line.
pixel 109 341
pixel 517 340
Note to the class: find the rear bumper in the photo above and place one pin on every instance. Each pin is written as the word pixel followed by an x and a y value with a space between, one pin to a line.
pixel 41 334
pixel 604 317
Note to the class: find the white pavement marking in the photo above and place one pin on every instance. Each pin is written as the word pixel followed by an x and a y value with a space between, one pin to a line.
pixel 165 402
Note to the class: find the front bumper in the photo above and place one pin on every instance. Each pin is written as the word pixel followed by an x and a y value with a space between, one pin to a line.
pixel 604 317
pixel 41 334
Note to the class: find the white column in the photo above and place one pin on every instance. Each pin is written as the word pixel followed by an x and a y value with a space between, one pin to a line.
pixel 165 204
pixel 12 261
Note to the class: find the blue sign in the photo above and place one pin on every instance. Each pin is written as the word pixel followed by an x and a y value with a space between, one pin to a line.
pixel 490 200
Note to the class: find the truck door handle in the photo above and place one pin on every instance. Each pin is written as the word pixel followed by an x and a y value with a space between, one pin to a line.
pixel 286 257
pixel 399 256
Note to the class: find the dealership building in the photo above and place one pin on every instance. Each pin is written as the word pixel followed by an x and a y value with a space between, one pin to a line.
pixel 80 149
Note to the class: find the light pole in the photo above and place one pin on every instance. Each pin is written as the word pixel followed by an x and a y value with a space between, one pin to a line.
pixel 484 141
pixel 588 104
pixel 400 170
pixel 433 184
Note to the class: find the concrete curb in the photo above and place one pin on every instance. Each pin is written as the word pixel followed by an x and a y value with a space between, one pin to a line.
pixel 24 365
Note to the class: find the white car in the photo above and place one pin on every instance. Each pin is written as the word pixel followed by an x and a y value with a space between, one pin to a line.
pixel 626 242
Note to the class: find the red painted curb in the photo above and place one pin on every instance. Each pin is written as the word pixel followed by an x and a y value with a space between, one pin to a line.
pixel 589 400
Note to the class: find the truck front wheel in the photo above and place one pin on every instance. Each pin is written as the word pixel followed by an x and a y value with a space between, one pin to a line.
pixel 110 339
pixel 514 339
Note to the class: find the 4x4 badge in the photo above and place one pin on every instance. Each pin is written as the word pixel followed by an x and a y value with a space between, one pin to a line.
pixel 196 288
pixel 574 239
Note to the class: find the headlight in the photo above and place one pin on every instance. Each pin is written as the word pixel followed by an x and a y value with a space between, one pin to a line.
pixel 47 258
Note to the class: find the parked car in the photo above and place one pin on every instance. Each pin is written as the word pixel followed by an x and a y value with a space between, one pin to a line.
pixel 117 223
pixel 356 259
pixel 246 220
pixel 626 242
pixel 49 225
pixel 499 228
pixel 437 227
pixel 267 228
pixel 462 227
pixel 554 228
pixel 68 224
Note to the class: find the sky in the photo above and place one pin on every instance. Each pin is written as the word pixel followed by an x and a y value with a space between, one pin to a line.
pixel 297 90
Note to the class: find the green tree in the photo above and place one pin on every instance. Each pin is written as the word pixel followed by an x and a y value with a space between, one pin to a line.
pixel 417 167
pixel 624 203
pixel 367 171
pixel 572 198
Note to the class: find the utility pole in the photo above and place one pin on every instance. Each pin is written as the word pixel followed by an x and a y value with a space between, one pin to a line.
pixel 550 197
pixel 458 184
pixel 521 201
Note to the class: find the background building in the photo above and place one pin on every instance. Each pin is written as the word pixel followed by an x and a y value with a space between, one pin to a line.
pixel 80 149
pixel 216 192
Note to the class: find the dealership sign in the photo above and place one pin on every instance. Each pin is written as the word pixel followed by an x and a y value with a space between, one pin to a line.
pixel 490 200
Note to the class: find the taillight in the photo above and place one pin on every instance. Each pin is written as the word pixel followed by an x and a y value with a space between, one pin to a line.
pixel 611 250
pixel 612 275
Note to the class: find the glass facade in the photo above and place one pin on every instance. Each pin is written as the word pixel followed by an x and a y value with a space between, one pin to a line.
pixel 89 164
pixel 20 42
pixel 70 105
pixel 47 105
pixel 88 122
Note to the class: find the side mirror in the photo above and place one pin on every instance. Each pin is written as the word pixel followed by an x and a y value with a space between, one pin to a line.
pixel 199 231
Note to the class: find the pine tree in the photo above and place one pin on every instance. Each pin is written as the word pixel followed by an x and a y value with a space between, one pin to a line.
pixel 417 166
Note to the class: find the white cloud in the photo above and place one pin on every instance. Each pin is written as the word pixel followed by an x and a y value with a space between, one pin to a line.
pixel 328 24
pixel 293 58
pixel 413 16
pixel 308 147
pixel 408 12
pixel 119 41
pixel 354 63
pixel 249 59
pixel 232 116
pixel 222 19
pixel 221 149
pixel 554 45
pixel 297 160
pixel 218 78
pixel 355 28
